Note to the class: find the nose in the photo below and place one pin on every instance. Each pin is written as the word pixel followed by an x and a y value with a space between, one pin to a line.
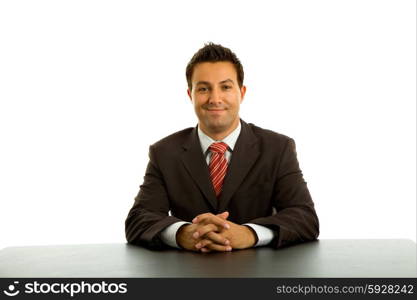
pixel 215 97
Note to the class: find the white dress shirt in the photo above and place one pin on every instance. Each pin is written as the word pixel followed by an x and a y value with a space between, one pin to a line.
pixel 265 235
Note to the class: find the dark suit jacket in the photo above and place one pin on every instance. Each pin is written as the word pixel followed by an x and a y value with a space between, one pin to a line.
pixel 263 185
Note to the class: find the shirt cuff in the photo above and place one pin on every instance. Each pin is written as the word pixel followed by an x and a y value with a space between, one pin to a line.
pixel 168 235
pixel 265 235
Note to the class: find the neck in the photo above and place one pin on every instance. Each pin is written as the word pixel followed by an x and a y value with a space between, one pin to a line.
pixel 218 136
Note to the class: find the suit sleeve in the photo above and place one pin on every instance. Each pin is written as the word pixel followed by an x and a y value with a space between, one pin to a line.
pixel 149 214
pixel 295 219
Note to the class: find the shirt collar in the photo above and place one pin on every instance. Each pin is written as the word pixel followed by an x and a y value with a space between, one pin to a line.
pixel 230 140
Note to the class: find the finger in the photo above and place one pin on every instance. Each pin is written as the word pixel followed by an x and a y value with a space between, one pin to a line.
pixel 217 238
pixel 202 230
pixel 211 219
pixel 217 247
pixel 200 217
pixel 224 215
pixel 203 244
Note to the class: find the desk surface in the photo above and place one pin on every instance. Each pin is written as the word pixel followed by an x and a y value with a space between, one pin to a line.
pixel 324 258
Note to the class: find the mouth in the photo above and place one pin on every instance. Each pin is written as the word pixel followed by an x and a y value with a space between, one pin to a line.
pixel 216 112
pixel 215 109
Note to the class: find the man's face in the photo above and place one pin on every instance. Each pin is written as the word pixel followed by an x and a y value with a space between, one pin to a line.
pixel 216 96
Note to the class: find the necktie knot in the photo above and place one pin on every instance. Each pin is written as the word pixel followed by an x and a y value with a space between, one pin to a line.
pixel 218 147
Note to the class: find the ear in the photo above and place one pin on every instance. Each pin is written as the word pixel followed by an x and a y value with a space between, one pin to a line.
pixel 242 93
pixel 189 94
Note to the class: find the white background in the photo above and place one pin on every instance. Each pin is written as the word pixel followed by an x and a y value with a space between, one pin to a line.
pixel 87 86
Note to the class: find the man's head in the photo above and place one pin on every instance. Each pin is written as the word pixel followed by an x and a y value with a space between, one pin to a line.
pixel 215 86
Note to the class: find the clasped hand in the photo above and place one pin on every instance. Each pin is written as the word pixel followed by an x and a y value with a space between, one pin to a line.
pixel 214 233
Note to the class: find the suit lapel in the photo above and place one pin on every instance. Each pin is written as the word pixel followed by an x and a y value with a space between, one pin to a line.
pixel 195 163
pixel 244 155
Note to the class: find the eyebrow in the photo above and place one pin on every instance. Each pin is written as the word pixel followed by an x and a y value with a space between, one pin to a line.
pixel 208 83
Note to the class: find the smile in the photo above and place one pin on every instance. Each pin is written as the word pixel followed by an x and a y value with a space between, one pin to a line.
pixel 216 112
pixel 218 109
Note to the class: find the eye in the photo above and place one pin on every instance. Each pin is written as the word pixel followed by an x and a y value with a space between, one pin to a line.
pixel 202 89
pixel 227 87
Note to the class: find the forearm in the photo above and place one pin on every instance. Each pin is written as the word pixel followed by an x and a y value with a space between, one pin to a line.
pixel 291 225
pixel 143 227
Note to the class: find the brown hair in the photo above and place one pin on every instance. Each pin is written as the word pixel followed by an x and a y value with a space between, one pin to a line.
pixel 214 53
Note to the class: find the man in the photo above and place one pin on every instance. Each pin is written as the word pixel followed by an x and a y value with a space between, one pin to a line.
pixel 225 184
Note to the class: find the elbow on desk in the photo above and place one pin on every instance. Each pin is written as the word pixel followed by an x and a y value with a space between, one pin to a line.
pixel 130 232
pixel 137 234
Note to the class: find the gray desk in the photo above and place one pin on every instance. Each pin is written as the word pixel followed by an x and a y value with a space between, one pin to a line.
pixel 324 258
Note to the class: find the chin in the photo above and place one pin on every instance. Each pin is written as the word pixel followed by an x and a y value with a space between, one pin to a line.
pixel 218 126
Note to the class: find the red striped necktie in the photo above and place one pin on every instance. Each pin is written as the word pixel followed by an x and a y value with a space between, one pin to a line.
pixel 218 166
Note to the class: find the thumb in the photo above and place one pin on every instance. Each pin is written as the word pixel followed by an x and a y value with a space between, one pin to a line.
pixel 224 215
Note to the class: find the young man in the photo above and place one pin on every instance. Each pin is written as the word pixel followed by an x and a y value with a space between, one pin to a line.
pixel 227 184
